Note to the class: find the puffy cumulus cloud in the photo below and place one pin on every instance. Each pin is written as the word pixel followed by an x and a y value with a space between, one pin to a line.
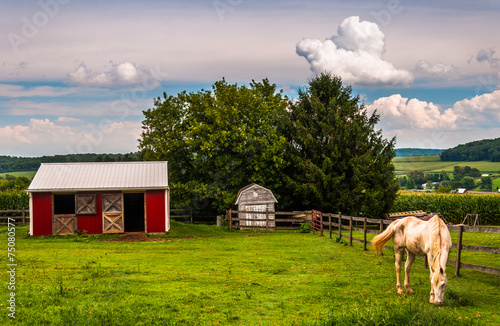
pixel 398 112
pixel 46 137
pixel 447 71
pixel 355 54
pixel 482 109
pixel 120 74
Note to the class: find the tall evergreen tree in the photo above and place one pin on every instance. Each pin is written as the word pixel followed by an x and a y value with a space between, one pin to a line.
pixel 338 161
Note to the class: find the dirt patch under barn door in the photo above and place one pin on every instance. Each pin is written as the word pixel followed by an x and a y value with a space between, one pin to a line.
pixel 134 237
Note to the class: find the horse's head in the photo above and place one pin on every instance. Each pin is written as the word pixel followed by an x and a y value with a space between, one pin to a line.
pixel 438 283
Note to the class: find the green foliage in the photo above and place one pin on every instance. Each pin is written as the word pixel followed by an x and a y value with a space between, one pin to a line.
pixel 13 183
pixel 217 141
pixel 14 200
pixel 486 183
pixel 305 227
pixel 481 150
pixel 338 161
pixel 453 207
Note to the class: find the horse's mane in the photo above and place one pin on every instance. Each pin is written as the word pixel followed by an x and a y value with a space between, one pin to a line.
pixel 435 228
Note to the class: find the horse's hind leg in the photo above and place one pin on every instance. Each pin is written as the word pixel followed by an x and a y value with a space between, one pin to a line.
pixel 399 258
pixel 410 257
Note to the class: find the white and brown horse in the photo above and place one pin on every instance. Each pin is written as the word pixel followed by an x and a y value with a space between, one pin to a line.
pixel 420 238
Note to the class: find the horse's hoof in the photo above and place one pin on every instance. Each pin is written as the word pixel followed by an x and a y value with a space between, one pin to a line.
pixel 410 291
pixel 400 291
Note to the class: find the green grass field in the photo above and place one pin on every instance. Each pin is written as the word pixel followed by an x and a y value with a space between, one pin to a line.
pixel 204 275
pixel 27 174
pixel 432 163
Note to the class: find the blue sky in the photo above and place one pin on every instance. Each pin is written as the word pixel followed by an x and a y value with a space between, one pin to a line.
pixel 75 76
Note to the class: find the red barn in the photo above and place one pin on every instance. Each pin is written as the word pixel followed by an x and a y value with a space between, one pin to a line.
pixel 111 197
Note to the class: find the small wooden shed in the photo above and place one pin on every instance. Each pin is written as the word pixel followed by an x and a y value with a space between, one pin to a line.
pixel 104 197
pixel 254 198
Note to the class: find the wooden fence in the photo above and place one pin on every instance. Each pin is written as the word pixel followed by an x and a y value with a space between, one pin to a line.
pixel 22 215
pixel 188 216
pixel 269 220
pixel 327 222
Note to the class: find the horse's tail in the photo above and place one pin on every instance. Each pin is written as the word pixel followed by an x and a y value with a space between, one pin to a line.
pixel 380 240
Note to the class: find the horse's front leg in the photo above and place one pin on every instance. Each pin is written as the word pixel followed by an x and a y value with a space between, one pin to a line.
pixel 410 257
pixel 399 259
pixel 429 259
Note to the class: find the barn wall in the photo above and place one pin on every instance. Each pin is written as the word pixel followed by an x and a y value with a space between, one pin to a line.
pixel 42 213
pixel 155 211
pixel 92 223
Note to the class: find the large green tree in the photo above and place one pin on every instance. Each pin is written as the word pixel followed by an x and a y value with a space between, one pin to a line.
pixel 338 160
pixel 217 141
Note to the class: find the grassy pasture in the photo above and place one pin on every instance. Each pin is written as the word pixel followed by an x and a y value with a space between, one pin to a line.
pixel 206 275
pixel 27 174
pixel 432 163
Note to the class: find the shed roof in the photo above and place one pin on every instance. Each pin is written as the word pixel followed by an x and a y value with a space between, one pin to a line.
pixel 251 187
pixel 100 176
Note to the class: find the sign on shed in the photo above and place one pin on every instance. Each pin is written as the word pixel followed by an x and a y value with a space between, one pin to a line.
pixel 255 200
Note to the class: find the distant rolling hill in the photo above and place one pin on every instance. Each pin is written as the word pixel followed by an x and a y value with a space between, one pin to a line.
pixel 404 152
pixel 432 163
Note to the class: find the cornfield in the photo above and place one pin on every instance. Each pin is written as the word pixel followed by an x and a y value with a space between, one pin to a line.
pixel 453 207
pixel 13 200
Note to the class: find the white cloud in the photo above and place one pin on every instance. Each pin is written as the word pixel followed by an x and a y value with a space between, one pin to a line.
pixel 482 109
pixel 46 137
pixel 487 55
pixel 120 74
pixel 69 120
pixel 399 112
pixel 17 91
pixel 355 54
pixel 439 69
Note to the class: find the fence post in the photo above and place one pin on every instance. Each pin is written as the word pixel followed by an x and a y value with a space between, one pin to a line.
pixel 24 218
pixel 426 263
pixel 191 215
pixel 459 249
pixel 364 234
pixel 340 226
pixel 229 219
pixel 321 223
pixel 330 224
pixel 381 225
pixel 267 219
pixel 350 230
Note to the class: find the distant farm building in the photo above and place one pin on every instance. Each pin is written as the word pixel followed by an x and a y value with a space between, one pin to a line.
pixel 111 197
pixel 256 199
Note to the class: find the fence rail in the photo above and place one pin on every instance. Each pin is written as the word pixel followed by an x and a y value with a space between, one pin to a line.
pixel 21 215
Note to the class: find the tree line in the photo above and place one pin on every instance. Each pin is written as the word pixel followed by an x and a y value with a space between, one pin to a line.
pixel 320 150
pixel 481 150
pixel 16 164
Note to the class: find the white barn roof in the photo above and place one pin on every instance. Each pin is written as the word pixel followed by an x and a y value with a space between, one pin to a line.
pixel 100 176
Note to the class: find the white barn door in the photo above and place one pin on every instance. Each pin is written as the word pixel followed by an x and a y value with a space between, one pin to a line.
pixel 253 216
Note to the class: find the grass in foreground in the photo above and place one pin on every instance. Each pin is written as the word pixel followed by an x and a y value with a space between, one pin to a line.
pixel 268 279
